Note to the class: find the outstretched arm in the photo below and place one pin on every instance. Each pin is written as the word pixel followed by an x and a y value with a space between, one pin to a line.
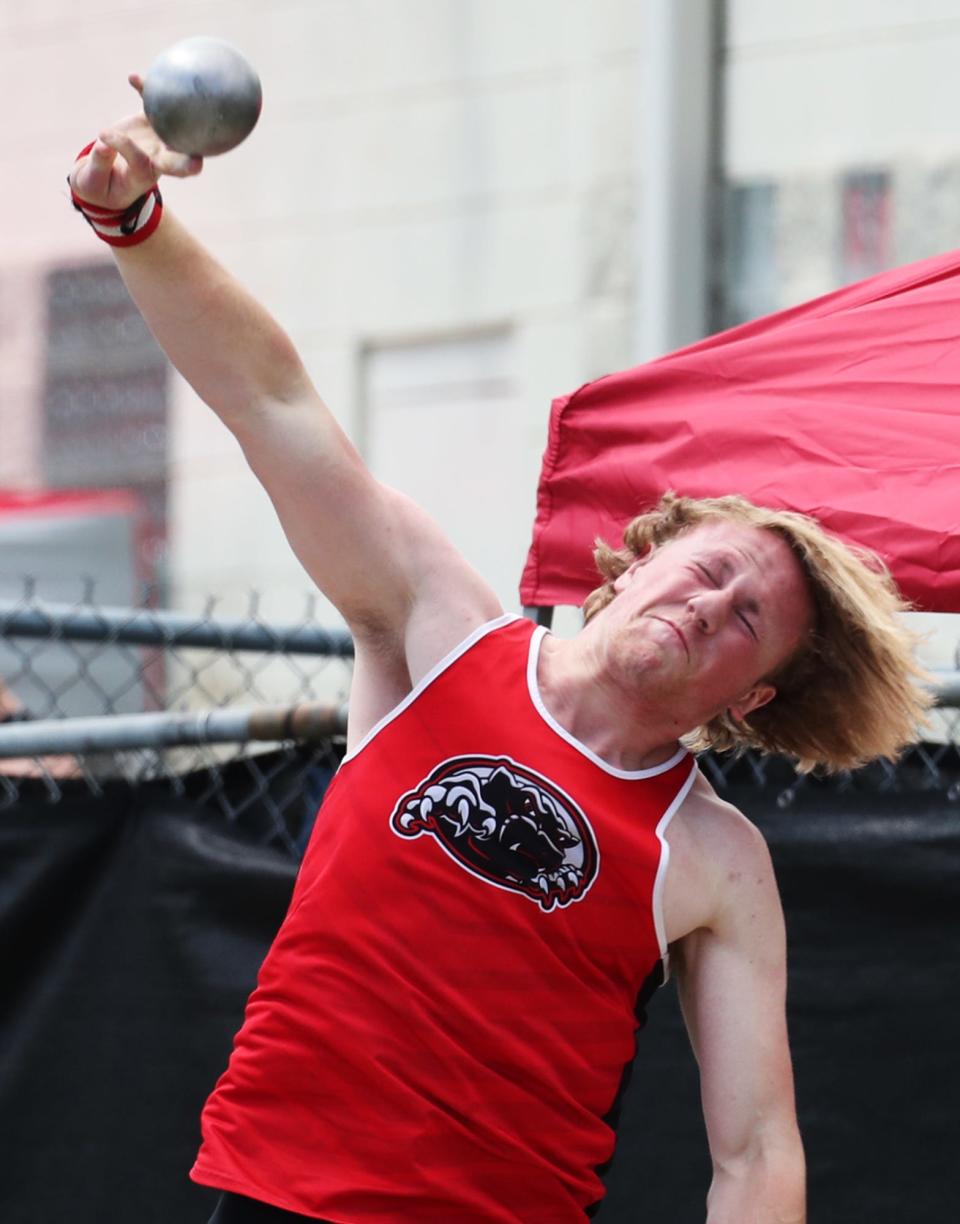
pixel 380 559
pixel 732 981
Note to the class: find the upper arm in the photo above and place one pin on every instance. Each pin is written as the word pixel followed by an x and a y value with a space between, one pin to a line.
pixel 373 553
pixel 732 982
pixel 381 559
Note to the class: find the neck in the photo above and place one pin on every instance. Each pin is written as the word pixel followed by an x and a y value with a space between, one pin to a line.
pixel 594 709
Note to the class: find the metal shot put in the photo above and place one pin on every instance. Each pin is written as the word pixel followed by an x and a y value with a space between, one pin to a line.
pixel 519 846
pixel 202 97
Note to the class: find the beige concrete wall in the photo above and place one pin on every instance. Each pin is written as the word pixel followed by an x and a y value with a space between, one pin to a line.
pixel 421 167
pixel 829 84
pixel 435 168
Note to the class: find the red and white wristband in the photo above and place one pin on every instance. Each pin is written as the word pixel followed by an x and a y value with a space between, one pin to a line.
pixel 121 227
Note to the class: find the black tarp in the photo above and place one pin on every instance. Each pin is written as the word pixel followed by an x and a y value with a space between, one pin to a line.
pixel 132 926
pixel 871 891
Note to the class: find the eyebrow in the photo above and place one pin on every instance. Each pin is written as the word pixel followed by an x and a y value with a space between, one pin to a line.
pixel 748 555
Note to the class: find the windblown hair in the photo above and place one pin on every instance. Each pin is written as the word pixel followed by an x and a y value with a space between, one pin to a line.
pixel 853 691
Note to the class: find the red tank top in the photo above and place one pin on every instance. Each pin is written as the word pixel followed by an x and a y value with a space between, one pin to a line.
pixel 446 1013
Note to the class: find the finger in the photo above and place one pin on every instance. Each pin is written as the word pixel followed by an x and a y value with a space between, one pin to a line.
pixel 151 166
pixel 178 165
pixel 138 126
pixel 136 80
pixel 96 170
pixel 140 162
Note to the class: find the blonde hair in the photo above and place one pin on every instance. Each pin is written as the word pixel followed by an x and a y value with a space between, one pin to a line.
pixel 853 691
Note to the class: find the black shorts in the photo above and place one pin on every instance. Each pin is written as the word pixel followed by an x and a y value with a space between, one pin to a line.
pixel 235 1209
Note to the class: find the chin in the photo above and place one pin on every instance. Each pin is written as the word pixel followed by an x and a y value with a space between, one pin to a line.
pixel 642 660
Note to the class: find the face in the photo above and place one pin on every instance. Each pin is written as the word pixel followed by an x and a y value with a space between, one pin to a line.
pixel 700 622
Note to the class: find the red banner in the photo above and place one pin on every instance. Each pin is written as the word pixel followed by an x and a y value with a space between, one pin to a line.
pixel 846 408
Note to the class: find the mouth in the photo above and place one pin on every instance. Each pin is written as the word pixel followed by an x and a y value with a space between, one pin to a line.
pixel 677 631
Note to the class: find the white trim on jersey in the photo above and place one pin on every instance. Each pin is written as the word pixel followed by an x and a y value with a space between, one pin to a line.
pixel 534 687
pixel 658 883
pixel 428 679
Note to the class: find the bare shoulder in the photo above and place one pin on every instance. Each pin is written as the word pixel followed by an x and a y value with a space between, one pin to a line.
pixel 719 865
pixel 451 602
pixel 719 827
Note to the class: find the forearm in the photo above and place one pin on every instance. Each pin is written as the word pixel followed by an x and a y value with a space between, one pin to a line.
pixel 763 1190
pixel 226 345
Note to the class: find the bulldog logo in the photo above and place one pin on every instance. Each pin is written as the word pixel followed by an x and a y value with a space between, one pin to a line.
pixel 505 824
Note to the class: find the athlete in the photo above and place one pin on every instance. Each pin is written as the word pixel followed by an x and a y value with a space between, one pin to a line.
pixel 518 846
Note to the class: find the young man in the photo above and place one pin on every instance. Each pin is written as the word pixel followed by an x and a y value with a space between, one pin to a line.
pixel 517 838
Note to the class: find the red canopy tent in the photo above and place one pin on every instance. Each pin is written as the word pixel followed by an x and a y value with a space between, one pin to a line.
pixel 846 408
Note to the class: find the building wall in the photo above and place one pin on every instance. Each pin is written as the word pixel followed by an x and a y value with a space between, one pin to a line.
pixel 828 91
pixel 842 157
pixel 430 172
pixel 423 171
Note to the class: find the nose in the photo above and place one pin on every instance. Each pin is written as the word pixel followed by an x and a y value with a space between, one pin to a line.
pixel 709 609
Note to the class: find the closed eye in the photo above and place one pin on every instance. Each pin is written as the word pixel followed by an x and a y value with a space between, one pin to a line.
pixel 714 582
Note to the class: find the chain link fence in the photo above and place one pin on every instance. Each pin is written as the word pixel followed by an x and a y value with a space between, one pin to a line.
pixel 238 714
pixel 247 716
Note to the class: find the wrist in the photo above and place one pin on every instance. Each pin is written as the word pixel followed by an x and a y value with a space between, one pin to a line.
pixel 120 227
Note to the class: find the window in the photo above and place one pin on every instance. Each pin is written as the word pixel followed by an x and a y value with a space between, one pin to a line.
pixel 865 224
pixel 751 275
pixel 105 397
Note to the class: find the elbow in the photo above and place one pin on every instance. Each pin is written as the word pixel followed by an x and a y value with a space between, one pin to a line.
pixel 763 1185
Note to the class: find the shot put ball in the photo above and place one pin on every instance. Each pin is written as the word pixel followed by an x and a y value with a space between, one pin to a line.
pixel 202 97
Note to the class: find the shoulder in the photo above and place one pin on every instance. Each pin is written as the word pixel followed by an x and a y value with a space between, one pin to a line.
pixel 720 866
pixel 389 667
pixel 718 830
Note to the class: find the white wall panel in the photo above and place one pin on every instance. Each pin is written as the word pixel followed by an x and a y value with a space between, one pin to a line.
pixel 756 24
pixel 870 83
